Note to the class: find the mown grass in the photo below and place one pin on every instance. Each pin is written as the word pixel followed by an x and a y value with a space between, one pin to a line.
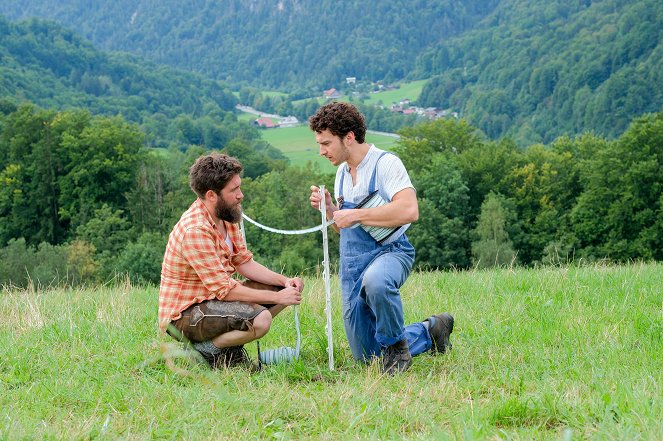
pixel 552 353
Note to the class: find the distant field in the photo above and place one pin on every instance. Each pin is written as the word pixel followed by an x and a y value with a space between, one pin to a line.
pixel 407 90
pixel 410 90
pixel 272 93
pixel 246 116
pixel 298 145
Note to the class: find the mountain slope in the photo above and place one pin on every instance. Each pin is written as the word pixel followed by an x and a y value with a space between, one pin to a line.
pixel 291 43
pixel 539 69
pixel 53 67
pixel 529 69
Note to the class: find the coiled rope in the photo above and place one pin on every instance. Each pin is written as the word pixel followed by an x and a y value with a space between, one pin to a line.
pixel 283 354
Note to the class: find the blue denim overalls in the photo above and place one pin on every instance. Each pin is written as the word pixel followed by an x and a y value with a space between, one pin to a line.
pixel 371 275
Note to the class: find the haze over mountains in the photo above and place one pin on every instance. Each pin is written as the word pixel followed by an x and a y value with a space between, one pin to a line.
pixel 532 70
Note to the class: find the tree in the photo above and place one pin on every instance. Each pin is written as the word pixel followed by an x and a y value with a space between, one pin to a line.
pixel 493 247
pixel 101 166
pixel 618 213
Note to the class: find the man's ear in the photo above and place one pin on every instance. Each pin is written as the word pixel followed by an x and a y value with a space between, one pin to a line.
pixel 350 137
pixel 210 195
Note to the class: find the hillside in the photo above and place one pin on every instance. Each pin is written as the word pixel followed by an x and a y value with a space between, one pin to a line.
pixel 539 69
pixel 290 43
pixel 55 68
pixel 570 353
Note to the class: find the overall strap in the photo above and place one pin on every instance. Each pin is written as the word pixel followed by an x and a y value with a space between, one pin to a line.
pixel 340 191
pixel 371 185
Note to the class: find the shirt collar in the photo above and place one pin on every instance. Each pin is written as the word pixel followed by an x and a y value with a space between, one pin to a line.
pixel 364 160
pixel 206 214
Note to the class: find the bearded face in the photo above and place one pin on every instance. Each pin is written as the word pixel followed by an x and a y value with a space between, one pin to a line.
pixel 228 212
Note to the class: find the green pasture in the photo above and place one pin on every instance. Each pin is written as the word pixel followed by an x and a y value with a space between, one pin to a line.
pixel 410 90
pixel 560 353
pixel 298 145
pixel 247 117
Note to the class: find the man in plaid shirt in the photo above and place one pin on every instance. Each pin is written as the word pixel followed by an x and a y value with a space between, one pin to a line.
pixel 199 298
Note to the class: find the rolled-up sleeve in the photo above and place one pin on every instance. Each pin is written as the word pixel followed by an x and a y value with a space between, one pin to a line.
pixel 201 252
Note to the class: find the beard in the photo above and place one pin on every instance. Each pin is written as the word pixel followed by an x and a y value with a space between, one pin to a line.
pixel 228 213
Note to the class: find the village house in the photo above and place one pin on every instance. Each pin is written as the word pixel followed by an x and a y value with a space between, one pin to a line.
pixel 288 121
pixel 265 123
pixel 331 94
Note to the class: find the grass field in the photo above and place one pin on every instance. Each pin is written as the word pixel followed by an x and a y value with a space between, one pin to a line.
pixel 298 145
pixel 553 353
pixel 410 90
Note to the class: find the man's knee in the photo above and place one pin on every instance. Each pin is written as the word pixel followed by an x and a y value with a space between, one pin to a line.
pixel 376 281
pixel 262 323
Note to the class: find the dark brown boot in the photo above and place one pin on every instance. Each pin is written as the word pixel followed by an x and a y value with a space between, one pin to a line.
pixel 396 358
pixel 440 327
pixel 236 356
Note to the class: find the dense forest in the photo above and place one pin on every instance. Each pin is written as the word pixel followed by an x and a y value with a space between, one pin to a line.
pixel 51 66
pixel 532 70
pixel 286 43
pixel 535 70
pixel 81 199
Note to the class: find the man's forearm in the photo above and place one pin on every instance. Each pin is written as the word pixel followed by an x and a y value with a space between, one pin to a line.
pixel 252 270
pixel 241 293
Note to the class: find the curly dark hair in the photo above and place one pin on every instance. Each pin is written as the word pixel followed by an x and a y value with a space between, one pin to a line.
pixel 339 119
pixel 213 172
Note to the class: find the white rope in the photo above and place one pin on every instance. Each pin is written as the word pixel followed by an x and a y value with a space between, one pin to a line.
pixel 274 230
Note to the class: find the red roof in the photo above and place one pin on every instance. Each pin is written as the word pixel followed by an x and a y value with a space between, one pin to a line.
pixel 266 122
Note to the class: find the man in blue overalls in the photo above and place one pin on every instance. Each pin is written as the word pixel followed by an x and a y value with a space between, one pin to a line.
pixel 376 256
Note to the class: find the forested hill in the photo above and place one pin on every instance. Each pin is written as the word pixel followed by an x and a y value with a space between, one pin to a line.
pixel 264 43
pixel 539 69
pixel 528 69
pixel 51 66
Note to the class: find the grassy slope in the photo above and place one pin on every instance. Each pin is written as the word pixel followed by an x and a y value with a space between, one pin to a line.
pixel 560 353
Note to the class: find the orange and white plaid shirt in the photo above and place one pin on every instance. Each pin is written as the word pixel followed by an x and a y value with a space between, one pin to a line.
pixel 198 264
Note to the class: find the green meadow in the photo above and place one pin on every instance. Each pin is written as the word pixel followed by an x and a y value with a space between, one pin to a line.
pixel 410 91
pixel 558 353
pixel 298 144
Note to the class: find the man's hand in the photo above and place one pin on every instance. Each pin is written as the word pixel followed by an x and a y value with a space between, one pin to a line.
pixel 345 218
pixel 315 201
pixel 296 283
pixel 289 296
